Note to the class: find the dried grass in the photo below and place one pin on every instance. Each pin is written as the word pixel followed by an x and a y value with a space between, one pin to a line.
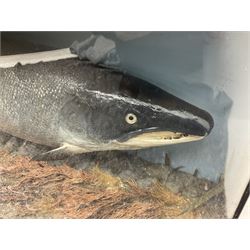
pixel 29 189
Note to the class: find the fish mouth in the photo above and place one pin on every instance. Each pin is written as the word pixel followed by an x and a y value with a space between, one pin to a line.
pixel 153 137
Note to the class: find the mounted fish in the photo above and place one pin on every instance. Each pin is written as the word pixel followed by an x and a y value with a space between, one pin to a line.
pixel 76 107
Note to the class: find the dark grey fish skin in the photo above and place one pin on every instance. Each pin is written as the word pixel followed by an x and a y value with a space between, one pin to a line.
pixel 32 96
pixel 70 101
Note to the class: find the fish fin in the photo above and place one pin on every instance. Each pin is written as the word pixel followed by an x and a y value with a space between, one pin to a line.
pixel 56 154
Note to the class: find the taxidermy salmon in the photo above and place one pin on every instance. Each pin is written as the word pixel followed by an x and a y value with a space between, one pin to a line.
pixel 76 107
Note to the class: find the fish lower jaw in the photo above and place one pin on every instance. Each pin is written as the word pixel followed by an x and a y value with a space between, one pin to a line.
pixel 75 145
pixel 148 141
pixel 132 144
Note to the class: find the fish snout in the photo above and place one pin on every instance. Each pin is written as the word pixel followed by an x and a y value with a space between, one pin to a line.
pixel 201 125
pixel 205 120
pixel 188 124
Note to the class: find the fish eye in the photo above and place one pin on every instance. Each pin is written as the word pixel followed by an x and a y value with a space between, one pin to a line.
pixel 131 118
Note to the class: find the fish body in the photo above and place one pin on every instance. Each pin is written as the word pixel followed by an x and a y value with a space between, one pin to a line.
pixel 78 107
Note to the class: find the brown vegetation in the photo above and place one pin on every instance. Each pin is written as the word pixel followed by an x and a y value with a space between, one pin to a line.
pixel 29 189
